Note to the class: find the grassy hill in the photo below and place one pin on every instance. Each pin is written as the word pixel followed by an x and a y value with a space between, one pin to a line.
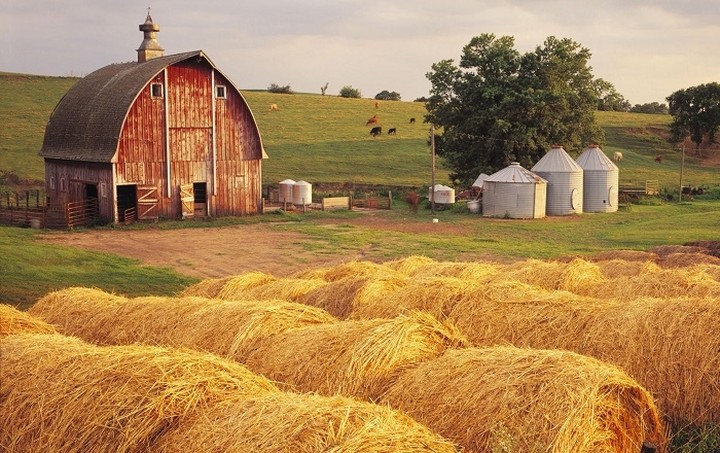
pixel 324 139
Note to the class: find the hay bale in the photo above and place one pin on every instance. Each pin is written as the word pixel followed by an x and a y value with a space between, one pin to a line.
pixel 513 399
pixel 434 295
pixel 58 393
pixel 208 288
pixel 227 328
pixel 14 321
pixel 353 358
pixel 663 250
pixel 287 422
pixel 625 255
pixel 613 268
pixel 353 269
pixel 288 289
pixel 688 260
pixel 462 270
pixel 236 286
pixel 554 275
pixel 343 297
pixel 408 266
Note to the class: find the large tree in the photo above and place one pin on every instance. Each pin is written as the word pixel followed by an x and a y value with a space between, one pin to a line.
pixel 696 113
pixel 498 105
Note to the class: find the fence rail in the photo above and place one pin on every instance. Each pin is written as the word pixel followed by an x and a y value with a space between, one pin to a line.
pixel 29 209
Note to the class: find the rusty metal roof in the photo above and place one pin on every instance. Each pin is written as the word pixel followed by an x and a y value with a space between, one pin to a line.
pixel 86 123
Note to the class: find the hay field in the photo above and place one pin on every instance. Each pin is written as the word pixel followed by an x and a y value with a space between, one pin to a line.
pixel 58 393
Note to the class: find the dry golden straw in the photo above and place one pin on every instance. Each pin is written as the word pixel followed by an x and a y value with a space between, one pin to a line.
pixel 354 358
pixel 58 393
pixel 343 297
pixel 349 269
pixel 410 265
pixel 226 328
pixel 209 288
pixel 511 399
pixel 286 422
pixel 14 321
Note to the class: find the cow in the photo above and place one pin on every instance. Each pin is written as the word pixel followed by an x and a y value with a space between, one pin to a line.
pixel 412 120
pixel 392 131
pixel 413 200
pixel 617 157
pixel 658 159
pixel 377 104
pixel 373 120
pixel 274 107
pixel 375 131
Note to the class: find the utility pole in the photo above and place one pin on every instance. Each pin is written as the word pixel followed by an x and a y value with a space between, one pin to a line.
pixel 432 185
pixel 682 171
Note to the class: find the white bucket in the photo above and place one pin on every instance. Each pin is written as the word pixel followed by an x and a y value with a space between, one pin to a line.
pixel 474 206
pixel 435 220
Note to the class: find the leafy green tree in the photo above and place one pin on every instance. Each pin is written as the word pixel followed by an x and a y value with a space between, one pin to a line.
pixel 498 105
pixel 652 107
pixel 275 88
pixel 386 95
pixel 608 97
pixel 349 92
pixel 696 113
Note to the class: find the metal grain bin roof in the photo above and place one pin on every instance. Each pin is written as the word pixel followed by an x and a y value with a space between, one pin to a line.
pixel 593 159
pixel 514 173
pixel 557 160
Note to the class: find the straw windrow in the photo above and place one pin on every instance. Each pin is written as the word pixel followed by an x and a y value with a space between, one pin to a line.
pixel 14 321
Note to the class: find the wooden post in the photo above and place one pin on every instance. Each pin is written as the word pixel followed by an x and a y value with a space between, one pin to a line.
pixel 432 184
pixel 390 199
pixel 682 170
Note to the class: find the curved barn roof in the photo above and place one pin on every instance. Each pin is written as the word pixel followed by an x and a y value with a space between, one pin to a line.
pixel 86 123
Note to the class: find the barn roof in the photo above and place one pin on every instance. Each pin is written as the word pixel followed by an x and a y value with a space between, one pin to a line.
pixel 86 123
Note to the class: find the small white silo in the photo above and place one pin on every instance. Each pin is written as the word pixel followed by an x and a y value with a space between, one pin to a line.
pixel 285 191
pixel 602 177
pixel 302 193
pixel 565 182
pixel 514 192
pixel 443 194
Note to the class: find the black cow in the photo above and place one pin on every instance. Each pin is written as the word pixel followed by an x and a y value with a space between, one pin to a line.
pixel 392 131
pixel 375 131
pixel 412 120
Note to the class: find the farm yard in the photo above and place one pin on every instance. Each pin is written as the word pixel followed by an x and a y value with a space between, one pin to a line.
pixel 370 330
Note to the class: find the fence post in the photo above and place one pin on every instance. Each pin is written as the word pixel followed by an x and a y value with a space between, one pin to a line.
pixel 390 198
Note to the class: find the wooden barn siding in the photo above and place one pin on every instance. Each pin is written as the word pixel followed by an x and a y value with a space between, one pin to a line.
pixel 238 155
pixel 70 178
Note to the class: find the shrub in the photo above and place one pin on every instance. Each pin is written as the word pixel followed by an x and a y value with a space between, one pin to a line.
pixel 349 92
pixel 386 95
pixel 275 88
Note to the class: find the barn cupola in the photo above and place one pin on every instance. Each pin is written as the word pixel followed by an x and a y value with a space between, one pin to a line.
pixel 149 48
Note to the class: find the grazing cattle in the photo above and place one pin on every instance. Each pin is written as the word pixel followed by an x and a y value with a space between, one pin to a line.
pixel 273 107
pixel 658 159
pixel 375 131
pixel 373 120
pixel 412 120
pixel 413 200
pixel 377 104
pixel 617 157
pixel 392 131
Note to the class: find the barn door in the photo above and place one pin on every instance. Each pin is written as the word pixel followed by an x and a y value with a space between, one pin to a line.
pixel 147 203
pixel 187 200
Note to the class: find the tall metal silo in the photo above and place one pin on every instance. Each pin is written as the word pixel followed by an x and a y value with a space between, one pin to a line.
pixel 602 177
pixel 565 182
pixel 514 192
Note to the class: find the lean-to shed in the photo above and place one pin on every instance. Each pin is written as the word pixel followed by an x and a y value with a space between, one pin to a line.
pixel 601 180
pixel 565 182
pixel 514 192
pixel 165 136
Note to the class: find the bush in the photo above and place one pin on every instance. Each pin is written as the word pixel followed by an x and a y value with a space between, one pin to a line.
pixel 349 92
pixel 275 88
pixel 386 95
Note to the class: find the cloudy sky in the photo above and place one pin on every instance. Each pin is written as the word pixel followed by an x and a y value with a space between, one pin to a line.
pixel 646 48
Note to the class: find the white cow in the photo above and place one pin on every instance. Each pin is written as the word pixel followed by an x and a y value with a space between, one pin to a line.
pixel 617 156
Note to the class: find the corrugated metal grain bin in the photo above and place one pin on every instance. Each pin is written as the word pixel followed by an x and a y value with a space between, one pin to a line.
pixel 565 182
pixel 443 194
pixel 285 191
pixel 515 193
pixel 302 193
pixel 602 177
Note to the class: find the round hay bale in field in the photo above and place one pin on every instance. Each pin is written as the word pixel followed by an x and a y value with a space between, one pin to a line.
pixel 434 295
pixel 353 358
pixel 513 399
pixel 58 393
pixel 625 255
pixel 554 275
pixel 236 286
pixel 14 321
pixel 341 298
pixel 209 288
pixel 688 260
pixel 670 346
pixel 353 269
pixel 302 423
pixel 409 265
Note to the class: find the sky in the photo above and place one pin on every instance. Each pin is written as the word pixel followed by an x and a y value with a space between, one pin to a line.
pixel 647 49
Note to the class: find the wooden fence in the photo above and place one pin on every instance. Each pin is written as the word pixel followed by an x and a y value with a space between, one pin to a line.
pixel 30 210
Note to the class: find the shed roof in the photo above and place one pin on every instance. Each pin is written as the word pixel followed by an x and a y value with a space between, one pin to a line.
pixel 593 159
pixel 86 123
pixel 557 160
pixel 515 173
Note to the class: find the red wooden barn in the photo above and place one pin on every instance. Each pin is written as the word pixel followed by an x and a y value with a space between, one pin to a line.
pixel 163 137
